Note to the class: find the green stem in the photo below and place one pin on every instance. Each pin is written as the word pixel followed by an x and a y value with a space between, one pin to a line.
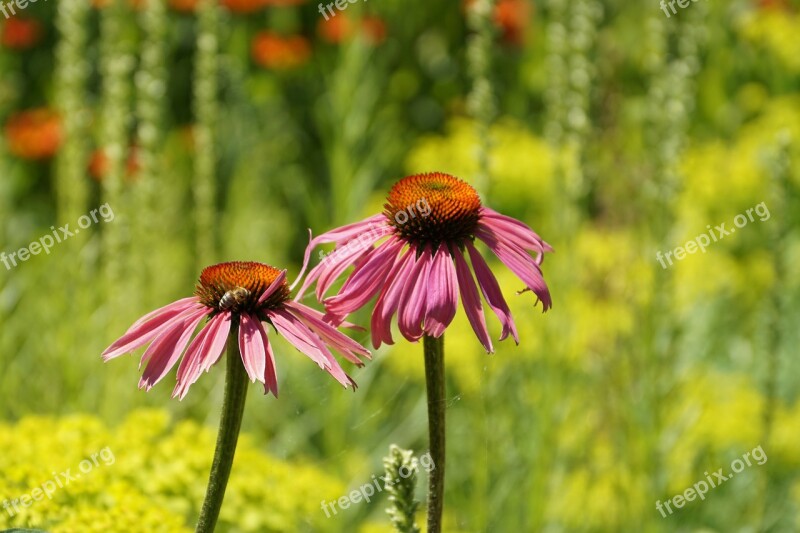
pixel 229 425
pixel 434 379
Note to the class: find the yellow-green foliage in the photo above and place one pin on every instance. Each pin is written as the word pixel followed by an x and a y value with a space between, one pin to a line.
pixel 723 180
pixel 521 164
pixel 150 476
pixel 776 32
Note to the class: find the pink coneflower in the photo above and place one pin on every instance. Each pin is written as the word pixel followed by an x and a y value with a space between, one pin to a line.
pixel 428 229
pixel 231 295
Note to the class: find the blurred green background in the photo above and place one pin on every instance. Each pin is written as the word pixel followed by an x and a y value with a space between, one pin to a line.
pixel 220 132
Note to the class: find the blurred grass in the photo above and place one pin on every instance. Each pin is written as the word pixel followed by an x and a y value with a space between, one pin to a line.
pixel 620 133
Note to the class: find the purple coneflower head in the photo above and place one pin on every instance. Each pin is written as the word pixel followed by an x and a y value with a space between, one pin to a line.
pixel 419 255
pixel 231 295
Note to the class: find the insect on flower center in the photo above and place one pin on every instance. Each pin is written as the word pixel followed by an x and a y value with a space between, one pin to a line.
pixel 237 286
pixel 433 208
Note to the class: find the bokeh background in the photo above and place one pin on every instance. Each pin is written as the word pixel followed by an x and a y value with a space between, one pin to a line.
pixel 223 131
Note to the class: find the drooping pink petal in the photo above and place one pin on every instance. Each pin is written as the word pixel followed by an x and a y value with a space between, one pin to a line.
pixel 165 351
pixel 389 300
pixel 365 281
pixel 251 346
pixel 215 343
pixel 331 267
pixel 322 316
pixel 349 348
pixel 353 252
pixel 491 291
pixel 442 293
pixel 375 225
pixel 521 232
pixel 200 351
pixel 520 263
pixel 182 304
pixel 272 287
pixel 270 370
pixel 147 330
pixel 413 301
pixel 307 342
pixel 256 352
pixel 189 369
pixel 178 323
pixel 288 330
pixel 472 301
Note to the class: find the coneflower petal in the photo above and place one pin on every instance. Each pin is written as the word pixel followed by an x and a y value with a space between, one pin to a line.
pixel 206 348
pixel 322 316
pixel 182 304
pixel 520 263
pixel 331 267
pixel 288 330
pixel 365 282
pixel 165 351
pixel 491 291
pixel 501 224
pixel 215 343
pixel 442 293
pixel 413 303
pixel 307 342
pixel 273 287
pixel 189 369
pixel 140 335
pixel 270 370
pixel 342 235
pixel 179 323
pixel 251 347
pixel 349 348
pixel 389 300
pixel 472 301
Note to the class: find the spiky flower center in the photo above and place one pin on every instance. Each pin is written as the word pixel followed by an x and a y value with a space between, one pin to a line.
pixel 433 208
pixel 237 286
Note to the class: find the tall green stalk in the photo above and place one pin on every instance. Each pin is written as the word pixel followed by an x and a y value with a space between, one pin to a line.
pixel 434 379
pixel 229 425
pixel 72 75
pixel 116 66
pixel 151 81
pixel 206 113
pixel 481 102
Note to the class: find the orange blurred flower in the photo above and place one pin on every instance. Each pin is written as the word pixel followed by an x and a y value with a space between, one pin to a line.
pixel 20 33
pixel 34 134
pixel 374 29
pixel 335 29
pixel 98 164
pixel 341 28
pixel 513 18
pixel 273 51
